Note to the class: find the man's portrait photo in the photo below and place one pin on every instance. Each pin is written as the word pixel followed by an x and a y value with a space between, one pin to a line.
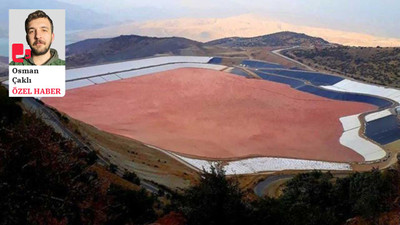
pixel 40 37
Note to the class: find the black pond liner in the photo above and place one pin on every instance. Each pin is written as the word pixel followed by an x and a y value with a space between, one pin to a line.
pixel 259 64
pixel 240 72
pixel 215 60
pixel 336 95
pixel 384 130
pixel 312 77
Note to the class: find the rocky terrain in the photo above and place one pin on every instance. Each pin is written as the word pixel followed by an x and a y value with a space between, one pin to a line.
pixel 373 65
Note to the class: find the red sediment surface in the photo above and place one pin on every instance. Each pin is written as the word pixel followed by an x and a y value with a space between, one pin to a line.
pixel 213 114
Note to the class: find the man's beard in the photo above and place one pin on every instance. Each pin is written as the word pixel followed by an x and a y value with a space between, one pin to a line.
pixel 40 52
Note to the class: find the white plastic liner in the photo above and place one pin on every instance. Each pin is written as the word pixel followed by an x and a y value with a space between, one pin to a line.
pixel 351 139
pixel 377 115
pixel 77 84
pixel 133 64
pixel 139 72
pixel 97 80
pixel 111 77
pixel 350 122
pixel 264 164
pixel 367 149
pixel 156 69
pixel 358 87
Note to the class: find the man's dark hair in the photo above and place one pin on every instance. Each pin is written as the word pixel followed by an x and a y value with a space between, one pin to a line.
pixel 35 15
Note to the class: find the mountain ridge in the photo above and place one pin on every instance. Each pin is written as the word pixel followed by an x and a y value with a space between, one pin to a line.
pixel 124 47
pixel 284 38
pixel 128 47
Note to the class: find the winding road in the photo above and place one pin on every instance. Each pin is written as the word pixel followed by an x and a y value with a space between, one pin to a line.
pixel 261 188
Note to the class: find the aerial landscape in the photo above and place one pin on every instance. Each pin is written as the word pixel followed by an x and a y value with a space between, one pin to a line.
pixel 183 113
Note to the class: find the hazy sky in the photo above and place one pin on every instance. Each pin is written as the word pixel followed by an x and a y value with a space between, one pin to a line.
pixel 376 17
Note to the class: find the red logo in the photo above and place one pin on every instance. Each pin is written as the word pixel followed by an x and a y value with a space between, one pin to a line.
pixel 18 50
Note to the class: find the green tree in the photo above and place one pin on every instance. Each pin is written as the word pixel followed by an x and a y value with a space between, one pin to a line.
pixel 132 177
pixel 91 157
pixel 113 168
pixel 130 207
pixel 370 192
pixel 308 199
pixel 269 211
pixel 10 111
pixel 215 200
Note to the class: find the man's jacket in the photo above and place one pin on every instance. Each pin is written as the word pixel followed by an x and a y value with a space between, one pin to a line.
pixel 53 61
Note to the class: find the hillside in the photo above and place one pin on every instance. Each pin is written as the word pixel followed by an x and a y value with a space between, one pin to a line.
pixel 46 179
pixel 373 65
pixel 84 46
pixel 276 39
pixel 3 66
pixel 4 60
pixel 125 47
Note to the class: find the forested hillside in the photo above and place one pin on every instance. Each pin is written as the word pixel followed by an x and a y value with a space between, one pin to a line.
pixel 374 65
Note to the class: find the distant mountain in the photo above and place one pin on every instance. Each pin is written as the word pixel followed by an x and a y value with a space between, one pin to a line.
pixel 3 66
pixel 3 60
pixel 125 47
pixel 276 39
pixel 84 46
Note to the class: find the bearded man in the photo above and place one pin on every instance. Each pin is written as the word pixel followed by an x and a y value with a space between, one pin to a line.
pixel 39 35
